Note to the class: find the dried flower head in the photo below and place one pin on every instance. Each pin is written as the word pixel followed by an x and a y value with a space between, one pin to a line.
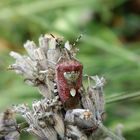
pixel 68 111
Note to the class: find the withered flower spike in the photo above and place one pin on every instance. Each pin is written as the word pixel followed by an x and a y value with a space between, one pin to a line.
pixel 88 104
pixel 8 126
pixel 99 82
pixel 30 47
pixel 59 125
pixel 83 114
pixel 73 131
pixel 68 110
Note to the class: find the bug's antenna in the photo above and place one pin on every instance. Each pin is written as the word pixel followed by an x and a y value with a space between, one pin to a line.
pixel 58 41
pixel 52 35
pixel 77 39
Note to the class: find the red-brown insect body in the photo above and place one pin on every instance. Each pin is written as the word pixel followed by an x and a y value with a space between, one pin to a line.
pixel 62 84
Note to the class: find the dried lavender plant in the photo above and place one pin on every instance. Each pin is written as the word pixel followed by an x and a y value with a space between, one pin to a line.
pixel 69 111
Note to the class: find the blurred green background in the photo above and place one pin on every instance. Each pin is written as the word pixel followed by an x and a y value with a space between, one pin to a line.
pixel 110 47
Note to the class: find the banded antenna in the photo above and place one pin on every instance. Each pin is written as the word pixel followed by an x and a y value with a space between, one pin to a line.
pixel 77 40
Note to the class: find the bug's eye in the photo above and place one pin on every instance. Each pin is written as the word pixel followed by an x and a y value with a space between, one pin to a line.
pixel 71 76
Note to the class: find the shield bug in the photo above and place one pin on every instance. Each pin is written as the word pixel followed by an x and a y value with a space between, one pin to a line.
pixel 69 81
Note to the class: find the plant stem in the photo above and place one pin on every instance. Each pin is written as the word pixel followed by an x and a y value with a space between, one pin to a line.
pixel 109 132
